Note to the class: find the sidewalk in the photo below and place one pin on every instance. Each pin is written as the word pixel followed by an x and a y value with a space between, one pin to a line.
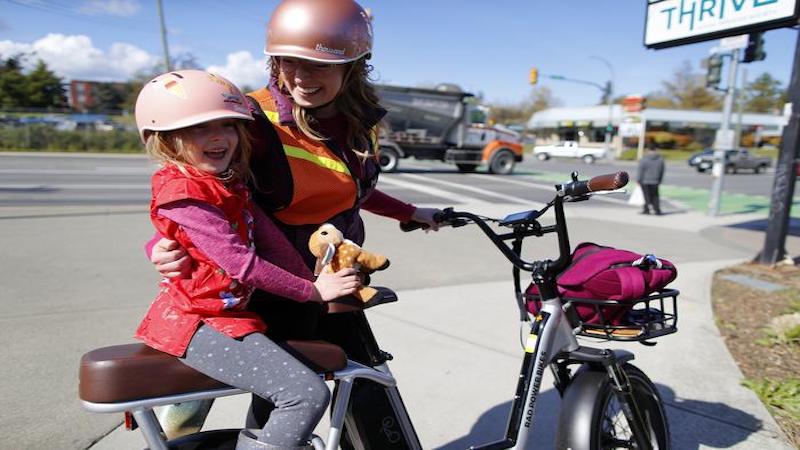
pixel 457 353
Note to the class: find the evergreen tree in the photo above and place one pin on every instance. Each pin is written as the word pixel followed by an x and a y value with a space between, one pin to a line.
pixel 764 95
pixel 13 91
pixel 44 88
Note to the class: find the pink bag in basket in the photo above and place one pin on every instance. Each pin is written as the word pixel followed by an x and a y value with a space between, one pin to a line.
pixel 607 273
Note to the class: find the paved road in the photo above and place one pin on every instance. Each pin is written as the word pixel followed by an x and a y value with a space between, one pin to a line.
pixel 35 180
pixel 74 276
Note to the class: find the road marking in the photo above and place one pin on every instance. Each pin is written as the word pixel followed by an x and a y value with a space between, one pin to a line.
pixel 73 187
pixel 549 187
pixel 96 171
pixel 451 196
pixel 505 197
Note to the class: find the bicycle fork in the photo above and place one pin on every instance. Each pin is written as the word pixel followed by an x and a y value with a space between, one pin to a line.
pixel 631 409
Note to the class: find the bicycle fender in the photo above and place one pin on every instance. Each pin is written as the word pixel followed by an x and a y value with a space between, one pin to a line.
pixel 579 407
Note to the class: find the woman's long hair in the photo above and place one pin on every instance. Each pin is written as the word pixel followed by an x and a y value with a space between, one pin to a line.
pixel 355 101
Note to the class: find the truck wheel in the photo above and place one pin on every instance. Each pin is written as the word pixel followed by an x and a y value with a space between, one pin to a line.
pixel 502 162
pixel 543 156
pixel 466 168
pixel 588 159
pixel 388 159
pixel 758 169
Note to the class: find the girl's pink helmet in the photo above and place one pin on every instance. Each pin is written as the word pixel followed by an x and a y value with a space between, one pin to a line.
pixel 183 98
pixel 326 31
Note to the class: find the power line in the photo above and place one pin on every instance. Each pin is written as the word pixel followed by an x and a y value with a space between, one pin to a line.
pixel 61 10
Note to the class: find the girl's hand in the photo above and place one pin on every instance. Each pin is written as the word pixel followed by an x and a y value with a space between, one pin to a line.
pixel 170 259
pixel 330 286
pixel 426 216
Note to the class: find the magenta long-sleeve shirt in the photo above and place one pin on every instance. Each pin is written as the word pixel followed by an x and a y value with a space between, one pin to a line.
pixel 273 266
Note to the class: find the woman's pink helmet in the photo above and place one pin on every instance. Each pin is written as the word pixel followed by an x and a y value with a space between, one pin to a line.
pixel 326 31
pixel 183 98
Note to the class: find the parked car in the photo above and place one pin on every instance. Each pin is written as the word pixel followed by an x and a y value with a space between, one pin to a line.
pixel 697 158
pixel 735 160
pixel 568 149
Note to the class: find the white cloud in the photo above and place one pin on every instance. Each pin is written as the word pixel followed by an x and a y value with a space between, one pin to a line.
pixel 121 8
pixel 75 57
pixel 243 69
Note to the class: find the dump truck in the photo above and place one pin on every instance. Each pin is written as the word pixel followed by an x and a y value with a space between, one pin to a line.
pixel 443 124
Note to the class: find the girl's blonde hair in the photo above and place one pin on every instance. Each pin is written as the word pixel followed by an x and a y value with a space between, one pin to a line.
pixel 355 101
pixel 168 147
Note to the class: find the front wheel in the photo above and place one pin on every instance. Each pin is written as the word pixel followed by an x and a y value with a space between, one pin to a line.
pixel 592 416
pixel 502 162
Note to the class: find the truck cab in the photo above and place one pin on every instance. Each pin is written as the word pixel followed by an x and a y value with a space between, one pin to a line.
pixel 443 124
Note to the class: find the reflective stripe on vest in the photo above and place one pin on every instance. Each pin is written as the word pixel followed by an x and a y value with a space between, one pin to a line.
pixel 328 163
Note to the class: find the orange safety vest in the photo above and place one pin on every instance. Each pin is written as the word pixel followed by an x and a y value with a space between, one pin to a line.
pixel 323 185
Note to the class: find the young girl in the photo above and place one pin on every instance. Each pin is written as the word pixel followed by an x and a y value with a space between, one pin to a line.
pixel 193 123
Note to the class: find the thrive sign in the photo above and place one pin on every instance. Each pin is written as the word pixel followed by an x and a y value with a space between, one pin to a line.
pixel 677 22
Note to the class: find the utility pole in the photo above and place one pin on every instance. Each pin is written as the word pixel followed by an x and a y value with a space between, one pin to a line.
pixel 167 65
pixel 724 139
pixel 608 91
pixel 785 175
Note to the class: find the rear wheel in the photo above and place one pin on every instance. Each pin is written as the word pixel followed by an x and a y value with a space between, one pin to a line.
pixel 592 416
pixel 388 159
pixel 467 168
pixel 588 159
pixel 543 156
pixel 502 162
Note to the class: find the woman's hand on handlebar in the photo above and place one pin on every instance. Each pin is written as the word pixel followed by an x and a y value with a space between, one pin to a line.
pixel 170 259
pixel 330 286
pixel 427 216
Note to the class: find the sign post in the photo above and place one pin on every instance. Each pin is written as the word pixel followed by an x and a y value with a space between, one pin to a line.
pixel 724 139
pixel 785 175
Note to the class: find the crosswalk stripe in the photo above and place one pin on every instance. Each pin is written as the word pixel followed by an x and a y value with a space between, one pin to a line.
pixel 505 197
pixel 451 196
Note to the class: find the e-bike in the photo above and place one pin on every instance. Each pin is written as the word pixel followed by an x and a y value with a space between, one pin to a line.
pixel 606 401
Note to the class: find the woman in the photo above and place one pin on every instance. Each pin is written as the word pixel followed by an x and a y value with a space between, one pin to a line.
pixel 315 144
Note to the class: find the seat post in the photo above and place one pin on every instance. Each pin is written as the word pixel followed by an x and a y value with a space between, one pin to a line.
pixel 148 423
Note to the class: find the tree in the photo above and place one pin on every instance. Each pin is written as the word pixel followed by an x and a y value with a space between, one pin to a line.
pixel 764 95
pixel 686 90
pixel 540 97
pixel 111 96
pixel 13 92
pixel 44 88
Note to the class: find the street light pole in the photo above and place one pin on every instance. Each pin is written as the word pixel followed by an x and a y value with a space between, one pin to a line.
pixel 609 100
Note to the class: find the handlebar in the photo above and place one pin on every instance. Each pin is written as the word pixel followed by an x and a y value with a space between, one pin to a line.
pixel 526 224
pixel 608 182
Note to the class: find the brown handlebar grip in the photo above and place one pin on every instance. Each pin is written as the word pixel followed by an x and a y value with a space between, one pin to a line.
pixel 608 182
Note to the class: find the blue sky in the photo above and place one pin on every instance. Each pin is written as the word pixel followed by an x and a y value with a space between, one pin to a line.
pixel 483 46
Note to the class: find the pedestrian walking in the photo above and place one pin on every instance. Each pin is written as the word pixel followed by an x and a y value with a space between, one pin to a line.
pixel 650 174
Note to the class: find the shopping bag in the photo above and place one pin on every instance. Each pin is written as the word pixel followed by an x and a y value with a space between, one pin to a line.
pixel 637 196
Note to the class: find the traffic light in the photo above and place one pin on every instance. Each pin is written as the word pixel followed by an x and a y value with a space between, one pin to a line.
pixel 755 48
pixel 534 76
pixel 714 75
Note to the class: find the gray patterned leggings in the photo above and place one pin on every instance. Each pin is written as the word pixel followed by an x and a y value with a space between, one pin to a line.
pixel 258 365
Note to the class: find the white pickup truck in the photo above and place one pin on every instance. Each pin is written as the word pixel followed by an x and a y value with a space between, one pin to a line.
pixel 568 149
